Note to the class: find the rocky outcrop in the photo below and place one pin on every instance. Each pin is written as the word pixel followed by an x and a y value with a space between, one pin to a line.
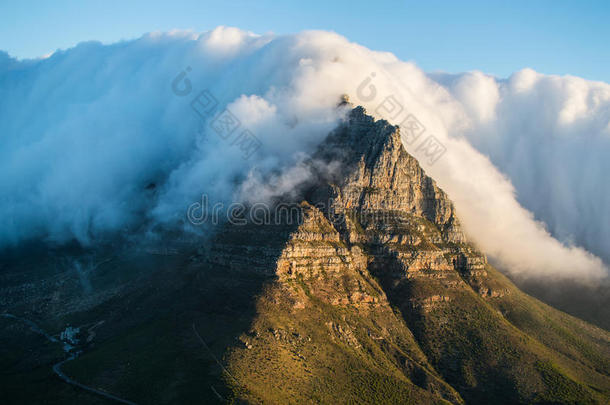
pixel 377 176
pixel 381 199
pixel 376 210
pixel 324 266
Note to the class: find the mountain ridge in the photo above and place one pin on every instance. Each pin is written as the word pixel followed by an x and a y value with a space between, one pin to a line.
pixel 395 247
pixel 368 292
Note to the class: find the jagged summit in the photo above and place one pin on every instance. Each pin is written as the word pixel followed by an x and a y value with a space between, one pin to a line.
pixel 377 174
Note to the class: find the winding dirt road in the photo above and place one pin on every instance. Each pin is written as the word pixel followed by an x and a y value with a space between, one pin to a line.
pixel 57 370
pixel 57 367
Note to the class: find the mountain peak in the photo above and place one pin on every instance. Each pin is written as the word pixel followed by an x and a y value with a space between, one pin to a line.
pixel 376 174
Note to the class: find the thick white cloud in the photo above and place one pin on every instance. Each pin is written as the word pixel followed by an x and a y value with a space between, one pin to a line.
pixel 87 130
pixel 551 136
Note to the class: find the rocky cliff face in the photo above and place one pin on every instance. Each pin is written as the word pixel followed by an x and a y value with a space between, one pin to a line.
pixel 375 173
pixel 382 199
pixel 376 295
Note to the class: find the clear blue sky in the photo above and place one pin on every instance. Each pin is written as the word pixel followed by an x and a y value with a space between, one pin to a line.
pixel 558 37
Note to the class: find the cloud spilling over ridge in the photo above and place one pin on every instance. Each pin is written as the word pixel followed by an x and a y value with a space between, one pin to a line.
pixel 551 136
pixel 94 139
